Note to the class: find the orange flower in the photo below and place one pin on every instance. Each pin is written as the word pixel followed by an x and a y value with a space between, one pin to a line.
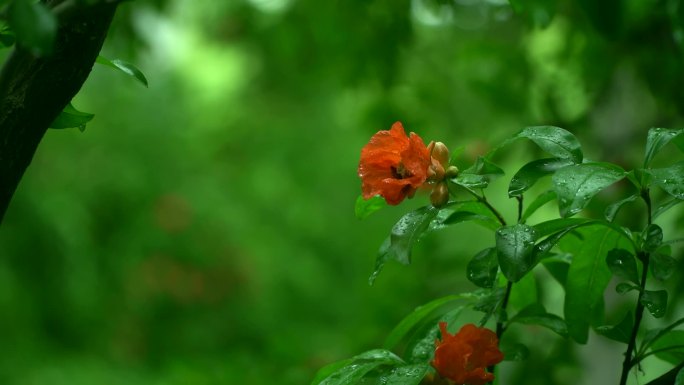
pixel 464 356
pixel 393 165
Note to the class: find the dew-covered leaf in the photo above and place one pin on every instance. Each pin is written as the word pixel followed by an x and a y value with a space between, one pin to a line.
pixel 613 208
pixel 357 367
pixel 125 67
pixel 405 375
pixel 623 264
pixel 656 140
pixel 530 173
pixel 576 185
pixel 482 269
pixel 670 179
pixel 620 332
pixel 655 301
pixel 556 141
pixel 515 246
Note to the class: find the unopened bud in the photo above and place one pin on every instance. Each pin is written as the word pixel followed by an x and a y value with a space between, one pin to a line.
pixel 452 172
pixel 440 152
pixel 440 195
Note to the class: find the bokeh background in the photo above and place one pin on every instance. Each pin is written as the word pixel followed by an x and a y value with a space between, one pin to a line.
pixel 202 231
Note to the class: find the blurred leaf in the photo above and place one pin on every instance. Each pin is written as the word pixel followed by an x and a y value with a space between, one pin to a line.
pixel 612 209
pixel 655 302
pixel 125 67
pixel 538 13
pixel 34 26
pixel 554 140
pixel 418 315
pixel 538 202
pixel 405 375
pixel 366 207
pixel 482 269
pixel 576 185
pixel 679 380
pixel 670 349
pixel 587 278
pixel 71 117
pixel 665 206
pixel 536 314
pixel 466 216
pixel 458 212
pixel 662 265
pixel 606 16
pixel 558 266
pixel 530 173
pixel 655 334
pixel 488 302
pixel 514 352
pixel 626 287
pixel 623 264
pixel 670 179
pixel 423 348
pixel 485 167
pixel 620 332
pixel 515 246
pixel 656 140
pixel 653 237
pixel 404 234
pixel 7 38
pixel 358 367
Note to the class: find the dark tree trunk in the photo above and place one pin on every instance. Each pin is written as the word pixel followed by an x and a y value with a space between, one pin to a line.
pixel 33 91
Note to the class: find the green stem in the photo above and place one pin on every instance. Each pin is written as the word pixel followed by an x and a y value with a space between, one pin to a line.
pixel 639 313
pixel 483 200
pixel 656 351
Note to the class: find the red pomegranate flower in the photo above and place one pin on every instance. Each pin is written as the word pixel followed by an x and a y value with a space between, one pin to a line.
pixel 463 357
pixel 393 165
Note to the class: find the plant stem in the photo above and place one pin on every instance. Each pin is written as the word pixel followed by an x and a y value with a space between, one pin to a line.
pixel 483 199
pixel 639 313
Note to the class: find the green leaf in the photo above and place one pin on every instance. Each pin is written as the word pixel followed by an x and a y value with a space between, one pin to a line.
pixel 71 117
pixel 555 225
pixel 626 287
pixel 358 366
pixel 656 140
pixel 670 349
pixel 670 179
pixel 620 332
pixel 612 209
pixel 34 26
pixel 423 349
pixel 588 277
pixel 665 206
pixel 482 269
pixel 125 67
pixel 404 234
pixel 530 173
pixel 366 207
pixel 465 211
pixel 655 302
pixel 623 264
pixel 329 369
pixel 556 141
pixel 7 38
pixel 655 334
pixel 662 265
pixel 488 302
pixel 679 380
pixel 536 314
pixel 558 266
pixel 514 352
pixel 413 319
pixel 538 202
pixel 485 167
pixel 405 375
pixel 515 246
pixel 471 181
pixel 537 13
pixel 653 237
pixel 576 185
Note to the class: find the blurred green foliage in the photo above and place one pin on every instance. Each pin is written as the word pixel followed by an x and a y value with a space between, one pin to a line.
pixel 202 231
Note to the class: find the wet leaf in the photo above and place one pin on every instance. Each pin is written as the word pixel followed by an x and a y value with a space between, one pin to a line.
pixel 670 179
pixel 515 246
pixel 530 173
pixel 656 140
pixel 125 67
pixel 623 264
pixel 620 332
pixel 576 185
pixel 556 141
pixel 655 302
pixel 71 117
pixel 612 209
pixel 482 269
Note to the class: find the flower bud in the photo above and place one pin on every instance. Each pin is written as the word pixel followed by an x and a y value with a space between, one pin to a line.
pixel 440 195
pixel 440 152
pixel 452 172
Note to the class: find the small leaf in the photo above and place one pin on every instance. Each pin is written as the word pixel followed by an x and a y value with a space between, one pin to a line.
pixel 623 264
pixel 515 352
pixel 405 375
pixel 625 287
pixel 670 179
pixel 358 366
pixel 485 167
pixel 656 140
pixel 576 185
pixel 538 202
pixel 515 246
pixel 554 140
pixel 530 173
pixel 655 302
pixel 471 181
pixel 620 332
pixel 653 237
pixel 612 209
pixel 662 265
pixel 71 117
pixel 489 302
pixel 465 211
pixel 535 314
pixel 404 234
pixel 482 269
pixel 366 207
pixel 34 26
pixel 125 67
pixel 413 319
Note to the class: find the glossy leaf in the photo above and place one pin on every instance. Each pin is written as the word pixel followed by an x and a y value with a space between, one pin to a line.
pixel 530 173
pixel 536 314
pixel 670 179
pixel 482 269
pixel 555 225
pixel 626 287
pixel 515 246
pixel 576 185
pixel 623 264
pixel 125 67
pixel 538 202
pixel 471 181
pixel 620 332
pixel 655 302
pixel 656 140
pixel 458 212
pixel 556 141
pixel 357 367
pixel 34 26
pixel 404 234
pixel 366 207
pixel 588 277
pixel 653 237
pixel 405 375
pixel 417 316
pixel 612 209
pixel 71 117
